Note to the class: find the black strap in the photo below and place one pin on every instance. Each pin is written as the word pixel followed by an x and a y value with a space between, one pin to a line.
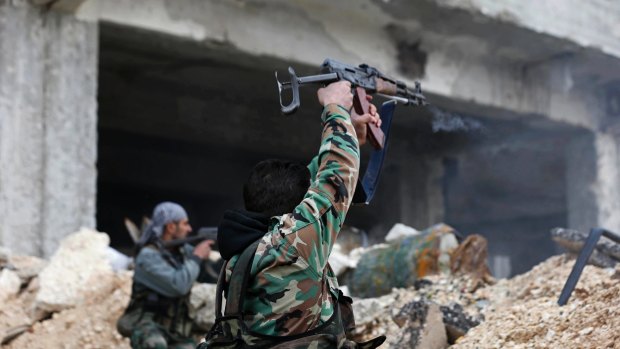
pixel 221 280
pixel 238 282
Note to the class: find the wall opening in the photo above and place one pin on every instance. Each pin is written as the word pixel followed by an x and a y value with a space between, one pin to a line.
pixel 186 121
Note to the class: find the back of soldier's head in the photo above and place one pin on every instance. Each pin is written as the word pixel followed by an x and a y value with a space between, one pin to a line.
pixel 275 187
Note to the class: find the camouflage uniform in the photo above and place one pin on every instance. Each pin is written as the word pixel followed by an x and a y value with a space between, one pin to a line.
pixel 161 285
pixel 291 285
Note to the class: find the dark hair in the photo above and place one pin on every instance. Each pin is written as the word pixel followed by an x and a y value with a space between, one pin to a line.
pixel 275 187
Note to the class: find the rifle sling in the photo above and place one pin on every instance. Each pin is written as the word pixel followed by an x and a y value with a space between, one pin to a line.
pixel 237 284
pixel 367 185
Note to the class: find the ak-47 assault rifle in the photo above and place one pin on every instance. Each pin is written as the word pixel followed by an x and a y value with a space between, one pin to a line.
pixel 364 80
pixel 205 233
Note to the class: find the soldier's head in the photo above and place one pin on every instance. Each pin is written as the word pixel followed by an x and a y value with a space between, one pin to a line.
pixel 275 187
pixel 171 219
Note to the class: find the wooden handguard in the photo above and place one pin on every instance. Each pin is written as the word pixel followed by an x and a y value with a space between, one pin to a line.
pixel 361 107
pixel 385 87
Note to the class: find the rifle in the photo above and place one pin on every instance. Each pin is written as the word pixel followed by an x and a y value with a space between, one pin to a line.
pixel 204 233
pixel 364 80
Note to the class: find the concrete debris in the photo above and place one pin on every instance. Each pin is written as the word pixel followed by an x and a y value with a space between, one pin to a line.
pixel 422 327
pixel 470 258
pixel 92 324
pixel 523 311
pixel 202 305
pixel 27 267
pixel 456 321
pixel 9 284
pixel 83 315
pixel 435 311
pixel 79 267
pixel 605 255
pixel 400 231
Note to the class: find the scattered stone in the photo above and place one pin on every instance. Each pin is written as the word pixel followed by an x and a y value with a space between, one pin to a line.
pixel 422 327
pixel 10 284
pixel 27 267
pixel 202 305
pixel 457 322
pixel 470 257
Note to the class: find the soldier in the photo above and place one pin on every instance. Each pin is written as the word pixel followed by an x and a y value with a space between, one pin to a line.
pixel 292 218
pixel 157 315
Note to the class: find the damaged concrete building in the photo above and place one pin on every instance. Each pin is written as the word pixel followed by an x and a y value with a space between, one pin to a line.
pixel 110 106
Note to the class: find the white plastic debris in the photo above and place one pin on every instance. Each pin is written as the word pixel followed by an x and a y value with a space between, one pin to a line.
pixel 400 231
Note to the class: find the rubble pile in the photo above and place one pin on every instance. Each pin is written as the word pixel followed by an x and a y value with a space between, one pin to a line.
pixel 92 324
pixel 523 311
pixel 74 300
pixel 453 310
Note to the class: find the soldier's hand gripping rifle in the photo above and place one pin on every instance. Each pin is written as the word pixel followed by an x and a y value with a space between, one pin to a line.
pixel 364 80
pixel 205 233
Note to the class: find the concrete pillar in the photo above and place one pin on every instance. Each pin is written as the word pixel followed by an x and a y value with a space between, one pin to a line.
pixel 48 126
pixel 593 180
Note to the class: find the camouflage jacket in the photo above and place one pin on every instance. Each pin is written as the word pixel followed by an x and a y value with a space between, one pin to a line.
pixel 289 292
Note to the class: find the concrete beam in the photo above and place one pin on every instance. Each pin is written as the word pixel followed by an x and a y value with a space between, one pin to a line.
pixel 592 24
pixel 484 65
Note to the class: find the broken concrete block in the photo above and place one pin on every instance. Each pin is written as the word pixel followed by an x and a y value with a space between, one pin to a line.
pixel 606 254
pixel 367 310
pixel 422 326
pixel 79 267
pixel 27 267
pixel 10 284
pixel 202 305
pixel 457 322
pixel 471 258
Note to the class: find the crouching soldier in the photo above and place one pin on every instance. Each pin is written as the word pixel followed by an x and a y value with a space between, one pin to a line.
pixel 157 314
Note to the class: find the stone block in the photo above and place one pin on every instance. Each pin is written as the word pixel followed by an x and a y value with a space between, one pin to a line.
pixel 10 284
pixel 78 268
pixel 202 305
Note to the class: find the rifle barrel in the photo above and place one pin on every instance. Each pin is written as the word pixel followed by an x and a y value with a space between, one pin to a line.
pixel 205 233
